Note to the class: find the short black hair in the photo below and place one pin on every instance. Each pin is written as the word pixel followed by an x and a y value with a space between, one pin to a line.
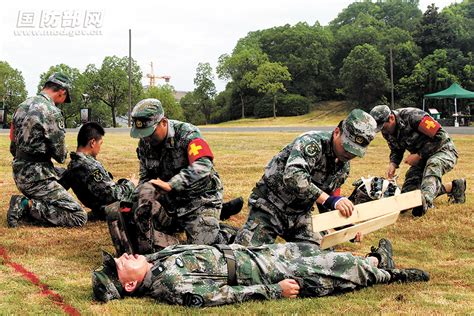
pixel 88 131
pixel 53 86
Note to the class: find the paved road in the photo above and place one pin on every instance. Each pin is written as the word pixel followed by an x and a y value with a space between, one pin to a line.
pixel 450 129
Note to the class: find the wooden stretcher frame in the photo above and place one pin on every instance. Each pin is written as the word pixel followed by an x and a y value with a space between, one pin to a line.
pixel 366 227
pixel 366 211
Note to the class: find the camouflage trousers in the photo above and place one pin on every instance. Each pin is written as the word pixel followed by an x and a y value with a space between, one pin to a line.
pixel 52 205
pixel 266 222
pixel 201 225
pixel 427 175
pixel 318 273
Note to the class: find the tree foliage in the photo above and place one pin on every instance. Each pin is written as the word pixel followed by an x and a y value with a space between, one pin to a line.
pixel 109 84
pixel 364 77
pixel 12 87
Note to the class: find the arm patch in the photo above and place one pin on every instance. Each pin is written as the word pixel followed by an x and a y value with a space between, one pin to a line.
pixel 198 148
pixel 429 126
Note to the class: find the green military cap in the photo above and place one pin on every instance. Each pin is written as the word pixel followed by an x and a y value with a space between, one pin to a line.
pixel 380 113
pixel 105 283
pixel 145 117
pixel 62 80
pixel 358 130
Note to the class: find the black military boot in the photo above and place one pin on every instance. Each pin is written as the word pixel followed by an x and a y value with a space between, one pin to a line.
pixel 231 208
pixel 420 210
pixel 384 254
pixel 458 192
pixel 408 275
pixel 16 209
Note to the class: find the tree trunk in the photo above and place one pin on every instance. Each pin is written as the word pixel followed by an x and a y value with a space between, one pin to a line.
pixel 274 106
pixel 114 121
pixel 243 106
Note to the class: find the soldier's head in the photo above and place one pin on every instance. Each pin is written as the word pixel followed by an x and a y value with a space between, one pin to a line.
pixel 118 277
pixel 90 138
pixel 58 86
pixel 352 136
pixel 384 117
pixel 149 121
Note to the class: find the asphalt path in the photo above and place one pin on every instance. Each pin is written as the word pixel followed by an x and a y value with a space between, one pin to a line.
pixel 463 130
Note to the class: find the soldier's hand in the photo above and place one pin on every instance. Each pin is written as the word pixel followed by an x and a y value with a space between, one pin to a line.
pixel 345 207
pixel 391 170
pixel 358 237
pixel 289 288
pixel 134 179
pixel 165 186
pixel 413 159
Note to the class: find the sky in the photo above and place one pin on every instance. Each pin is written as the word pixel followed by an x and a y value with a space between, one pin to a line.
pixel 174 35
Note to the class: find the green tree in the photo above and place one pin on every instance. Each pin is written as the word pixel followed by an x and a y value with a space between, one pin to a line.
pixel 165 94
pixel 269 79
pixel 12 88
pixel 191 107
pixel 306 51
pixel 205 89
pixel 363 76
pixel 434 31
pixel 235 66
pixel 109 84
pixel 70 110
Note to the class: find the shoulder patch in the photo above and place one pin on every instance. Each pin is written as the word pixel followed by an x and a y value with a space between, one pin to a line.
pixel 429 126
pixel 192 300
pixel 97 175
pixel 198 148
pixel 311 149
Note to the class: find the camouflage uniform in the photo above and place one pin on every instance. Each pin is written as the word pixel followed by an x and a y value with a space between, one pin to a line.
pixel 38 136
pixel 93 185
pixel 417 132
pixel 198 276
pixel 184 160
pixel 282 200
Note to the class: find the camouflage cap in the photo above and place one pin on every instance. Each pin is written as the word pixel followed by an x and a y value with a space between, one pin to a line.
pixel 358 130
pixel 145 116
pixel 105 283
pixel 380 113
pixel 62 80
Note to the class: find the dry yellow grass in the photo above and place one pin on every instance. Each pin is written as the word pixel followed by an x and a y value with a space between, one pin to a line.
pixel 442 242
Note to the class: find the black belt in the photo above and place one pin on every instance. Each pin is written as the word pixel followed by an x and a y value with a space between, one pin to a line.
pixel 231 264
pixel 21 155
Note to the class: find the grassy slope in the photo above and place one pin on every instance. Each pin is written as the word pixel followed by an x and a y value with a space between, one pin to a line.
pixel 326 113
pixel 441 242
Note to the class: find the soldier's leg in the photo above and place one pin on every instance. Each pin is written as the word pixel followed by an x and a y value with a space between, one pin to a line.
pixel 262 226
pixel 152 222
pixel 413 178
pixel 436 166
pixel 301 230
pixel 203 227
pixel 52 205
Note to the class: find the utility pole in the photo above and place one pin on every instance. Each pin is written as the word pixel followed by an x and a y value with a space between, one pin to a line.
pixel 129 76
pixel 391 78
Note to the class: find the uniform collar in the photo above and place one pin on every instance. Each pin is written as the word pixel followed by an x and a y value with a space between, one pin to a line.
pixel 46 96
pixel 169 142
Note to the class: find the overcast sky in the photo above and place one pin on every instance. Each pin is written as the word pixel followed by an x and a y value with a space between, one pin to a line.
pixel 175 35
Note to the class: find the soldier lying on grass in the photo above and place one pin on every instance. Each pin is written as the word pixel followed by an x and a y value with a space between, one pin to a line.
pixel 198 276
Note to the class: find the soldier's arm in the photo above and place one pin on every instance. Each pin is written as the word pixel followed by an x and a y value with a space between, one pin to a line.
pixel 209 294
pixel 423 123
pixel 145 174
pixel 396 154
pixel 297 173
pixel 200 158
pixel 193 174
pixel 104 189
pixel 54 133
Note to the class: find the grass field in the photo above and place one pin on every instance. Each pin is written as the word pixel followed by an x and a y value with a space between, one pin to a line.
pixel 442 242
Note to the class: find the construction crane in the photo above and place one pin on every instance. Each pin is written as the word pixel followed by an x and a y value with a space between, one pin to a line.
pixel 153 77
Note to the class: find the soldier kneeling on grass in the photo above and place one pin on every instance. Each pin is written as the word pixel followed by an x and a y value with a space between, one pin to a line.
pixel 199 276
